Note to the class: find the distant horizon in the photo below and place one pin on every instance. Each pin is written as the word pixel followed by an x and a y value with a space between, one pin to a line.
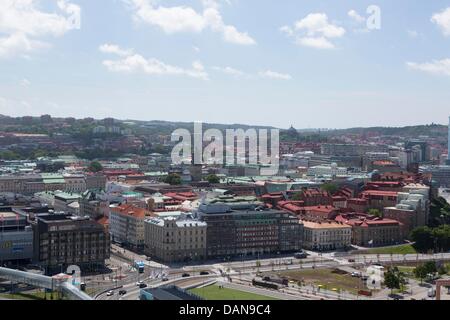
pixel 224 123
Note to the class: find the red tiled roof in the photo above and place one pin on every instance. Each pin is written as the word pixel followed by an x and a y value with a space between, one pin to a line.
pixel 380 193
pixel 130 210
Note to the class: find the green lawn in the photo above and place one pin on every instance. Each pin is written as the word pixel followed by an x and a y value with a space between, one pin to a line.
pixel 403 249
pixel 213 292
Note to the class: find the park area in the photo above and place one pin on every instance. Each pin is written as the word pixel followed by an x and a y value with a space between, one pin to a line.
pixel 402 249
pixel 214 292
pixel 329 279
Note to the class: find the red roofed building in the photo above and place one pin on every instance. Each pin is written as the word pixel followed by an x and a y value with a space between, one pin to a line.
pixel 357 205
pixel 339 202
pixel 272 198
pixel 380 199
pixel 385 185
pixel 104 221
pixel 182 196
pixel 385 166
pixel 315 197
pixel 371 231
pixel 345 192
pixel 295 207
pixel 321 212
pixel 126 225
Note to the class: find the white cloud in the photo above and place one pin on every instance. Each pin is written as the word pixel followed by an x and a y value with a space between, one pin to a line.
pixel 186 19
pixel 314 31
pixel 268 74
pixel 317 24
pixel 114 49
pixel 442 19
pixel 22 23
pixel 356 16
pixel 412 33
pixel 437 67
pixel 25 83
pixel 134 63
pixel 230 71
pixel 288 30
pixel 18 44
pixel 319 42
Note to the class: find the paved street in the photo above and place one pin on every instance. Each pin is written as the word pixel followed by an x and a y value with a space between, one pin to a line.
pixel 242 272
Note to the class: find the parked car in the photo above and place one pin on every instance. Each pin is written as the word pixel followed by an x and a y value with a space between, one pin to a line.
pixel 431 293
pixel 142 286
pixel 165 279
pixel 351 260
pixel 139 283
pixel 185 275
pixel 301 255
pixel 204 273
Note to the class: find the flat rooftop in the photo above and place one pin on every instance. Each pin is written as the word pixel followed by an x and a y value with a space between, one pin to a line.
pixel 7 215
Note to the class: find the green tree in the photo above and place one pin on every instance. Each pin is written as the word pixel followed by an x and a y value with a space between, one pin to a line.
pixel 420 272
pixel 95 166
pixel 331 188
pixel 375 212
pixel 212 178
pixel 173 179
pixel 431 239
pixel 430 267
pixel 297 196
pixel 394 279
pixel 423 239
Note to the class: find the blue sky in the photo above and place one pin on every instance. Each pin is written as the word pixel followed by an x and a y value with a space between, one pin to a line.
pixel 306 63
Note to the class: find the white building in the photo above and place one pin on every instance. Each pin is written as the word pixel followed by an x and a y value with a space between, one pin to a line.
pixel 328 171
pixel 326 235
pixel 75 183
pixel 175 239
pixel 126 225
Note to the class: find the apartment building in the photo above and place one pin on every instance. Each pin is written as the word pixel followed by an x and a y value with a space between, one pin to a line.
pixel 326 235
pixel 248 230
pixel 351 149
pixel 75 183
pixel 370 231
pixel 315 197
pixel 29 184
pixel 380 199
pixel 16 237
pixel 96 181
pixel 175 239
pixel 94 204
pixel 67 202
pixel 126 225
pixel 61 240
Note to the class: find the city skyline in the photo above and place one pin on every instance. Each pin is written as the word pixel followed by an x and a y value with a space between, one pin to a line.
pixel 316 61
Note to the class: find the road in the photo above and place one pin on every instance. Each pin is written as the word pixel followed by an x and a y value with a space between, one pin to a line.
pixel 245 270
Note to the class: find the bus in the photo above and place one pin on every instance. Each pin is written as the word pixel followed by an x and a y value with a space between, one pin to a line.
pixel 139 266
